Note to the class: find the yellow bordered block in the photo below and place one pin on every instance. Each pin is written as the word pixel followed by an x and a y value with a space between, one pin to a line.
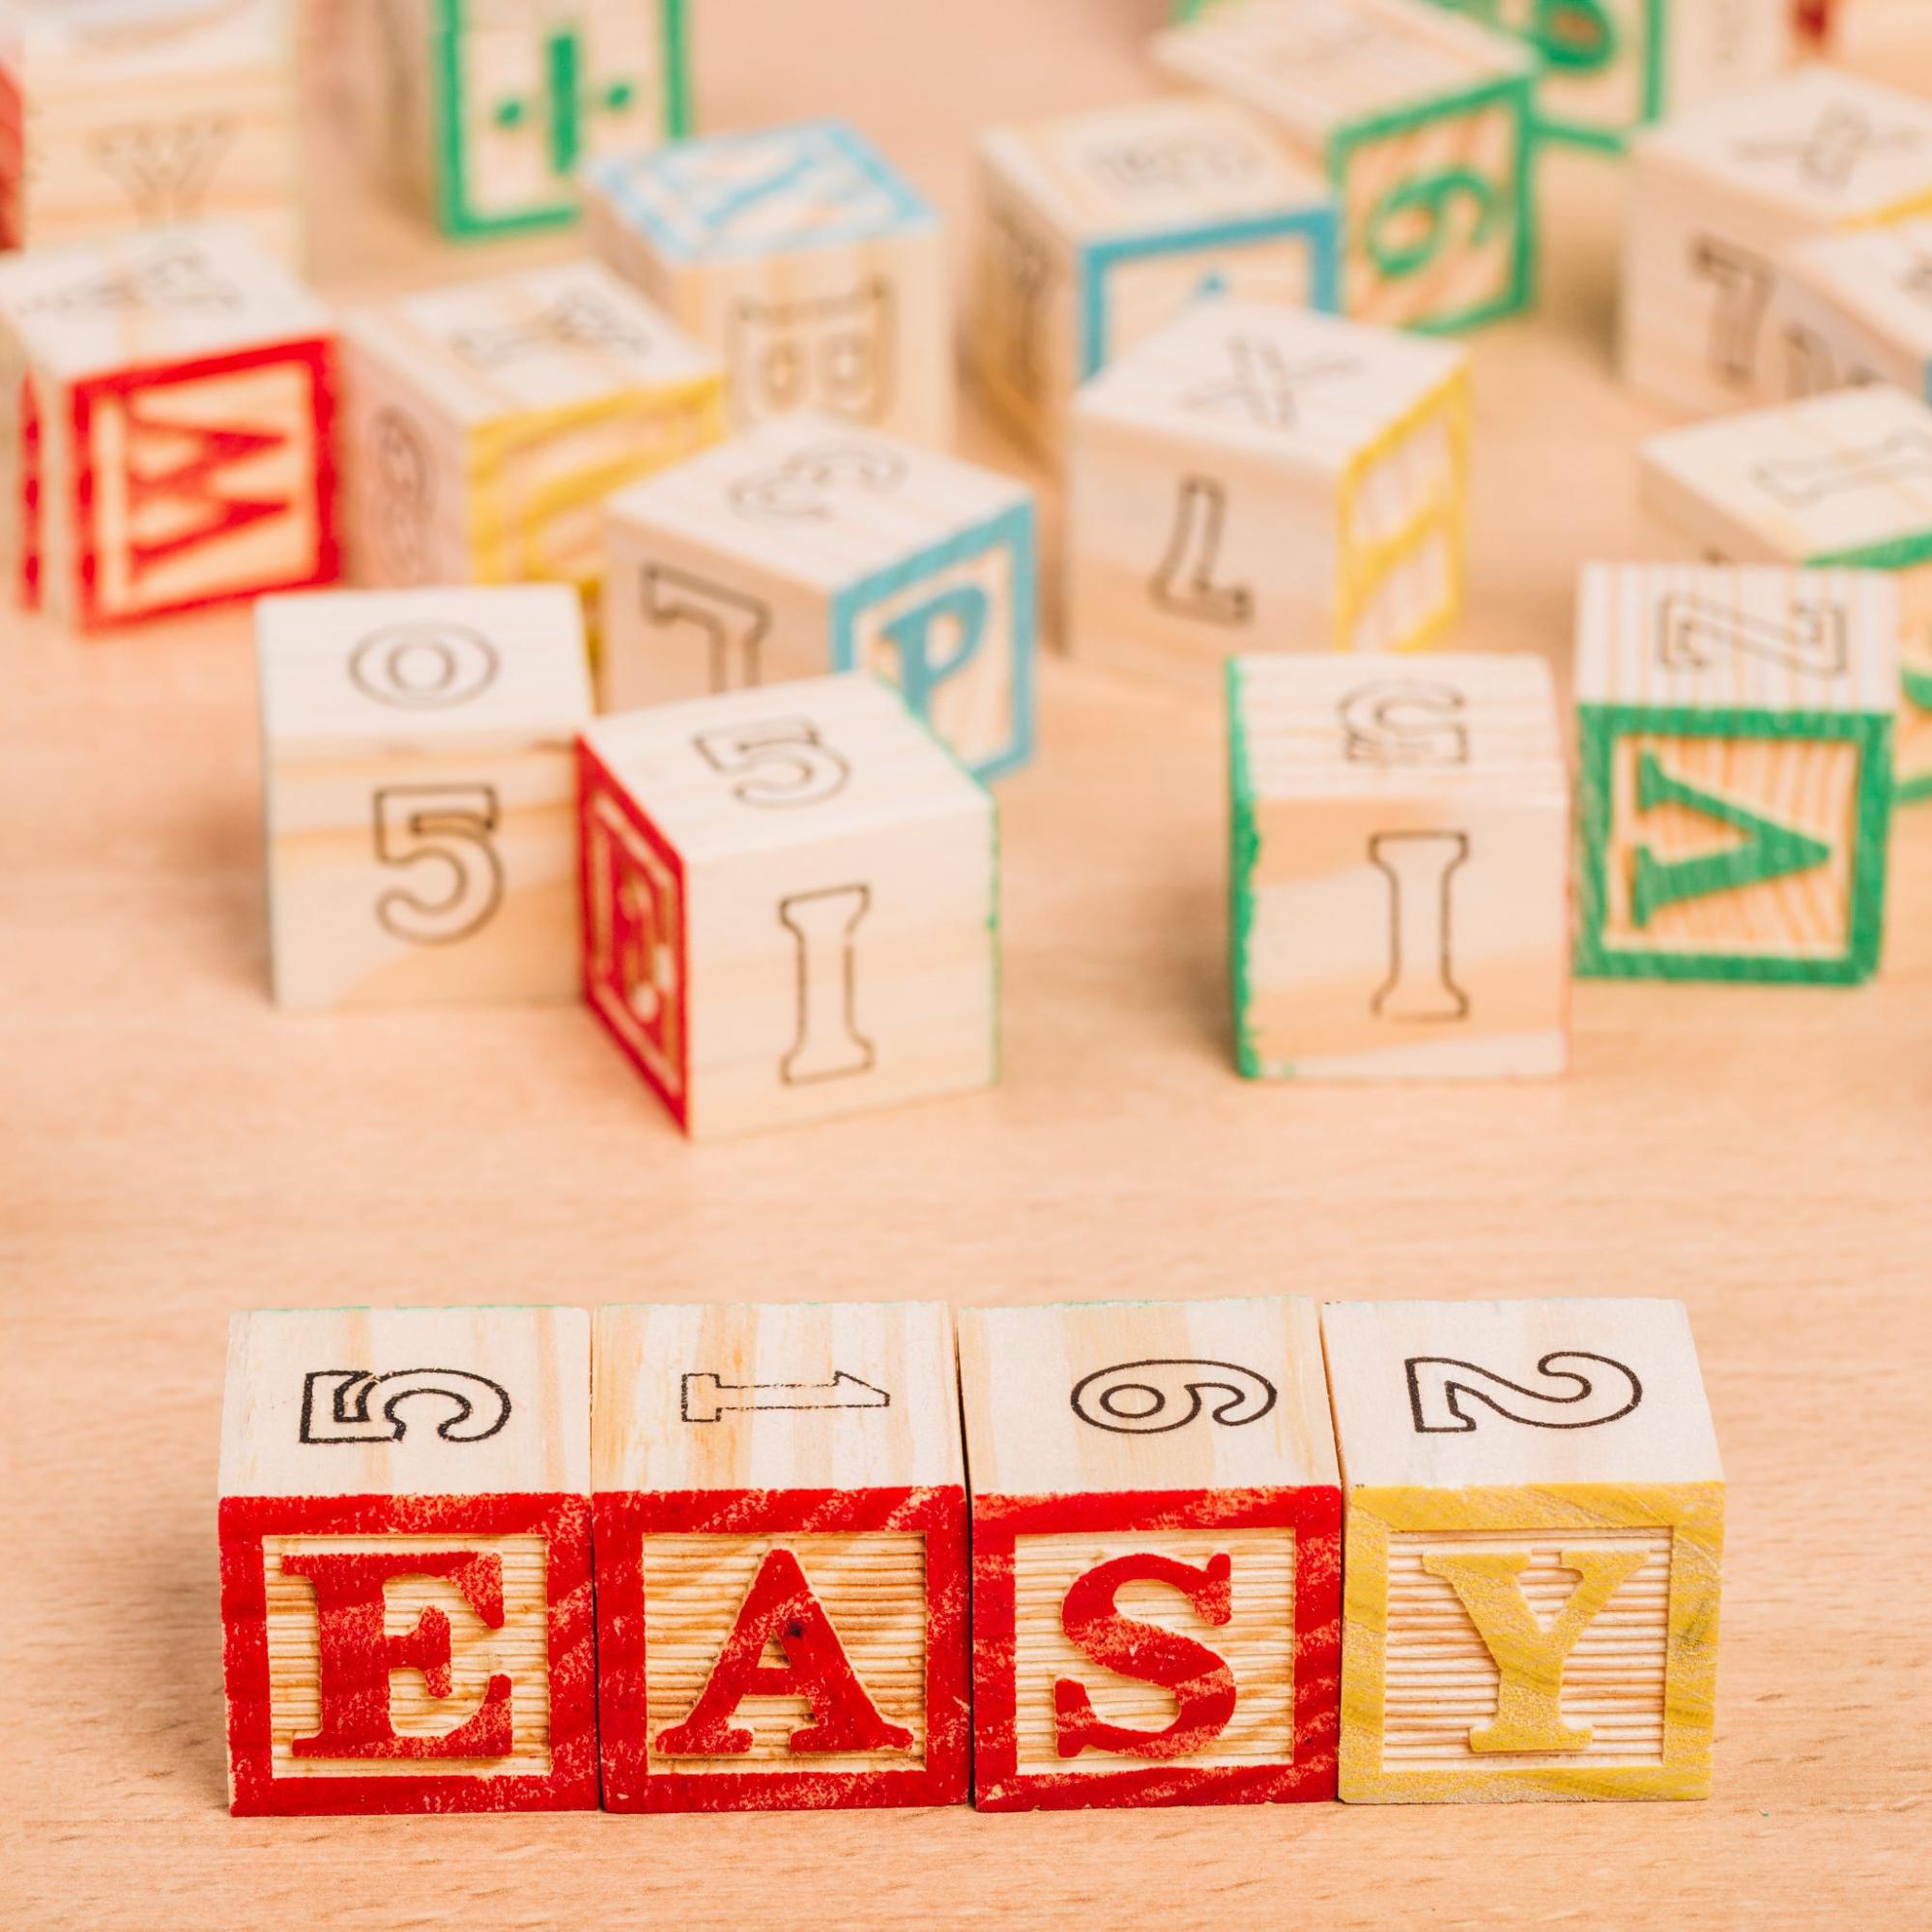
pixel 1533 1543
pixel 1856 308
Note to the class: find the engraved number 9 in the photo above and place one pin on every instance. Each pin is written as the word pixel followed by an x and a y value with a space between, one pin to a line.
pixel 1412 226
pixel 441 835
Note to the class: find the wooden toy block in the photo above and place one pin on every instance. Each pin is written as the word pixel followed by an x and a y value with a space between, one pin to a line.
pixel 781 1538
pixel 1854 308
pixel 1718 193
pixel 1155 1554
pixel 486 423
pixel 405 1526
pixel 1256 475
pixel 803 259
pixel 1399 868
pixel 116 117
pixel 791 905
pixel 1841 481
pixel 1735 796
pixel 167 411
pixel 1536 1517
pixel 1422 123
pixel 1096 228
pixel 419 788
pixel 805 546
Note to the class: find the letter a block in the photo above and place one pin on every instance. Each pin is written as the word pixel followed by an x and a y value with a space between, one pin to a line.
pixel 1401 868
pixel 781 1557
pixel 406 1561
pixel 1155 1554
pixel 1736 785
pixel 1536 1516
pixel 166 404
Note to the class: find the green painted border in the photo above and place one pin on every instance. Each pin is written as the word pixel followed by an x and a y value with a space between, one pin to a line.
pixel 1244 851
pixel 1602 725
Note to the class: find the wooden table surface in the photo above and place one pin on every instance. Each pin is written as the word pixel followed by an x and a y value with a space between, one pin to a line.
pixel 171 1148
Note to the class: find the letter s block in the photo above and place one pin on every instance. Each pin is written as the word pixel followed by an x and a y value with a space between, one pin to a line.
pixel 781 1544
pixel 1535 1519
pixel 1155 1554
pixel 405 1530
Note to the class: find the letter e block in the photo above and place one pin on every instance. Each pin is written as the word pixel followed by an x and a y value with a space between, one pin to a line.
pixel 1535 1516
pixel 1155 1554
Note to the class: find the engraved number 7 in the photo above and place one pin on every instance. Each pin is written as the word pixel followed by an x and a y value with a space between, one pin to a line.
pixel 420 827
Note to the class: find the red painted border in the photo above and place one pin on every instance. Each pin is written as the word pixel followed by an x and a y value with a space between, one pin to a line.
pixel 12 159
pixel 1814 21
pixel 625 1518
pixel 1314 1514
pixel 571 1784
pixel 33 458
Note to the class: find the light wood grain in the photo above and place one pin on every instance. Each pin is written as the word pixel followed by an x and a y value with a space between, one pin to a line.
pixel 1850 308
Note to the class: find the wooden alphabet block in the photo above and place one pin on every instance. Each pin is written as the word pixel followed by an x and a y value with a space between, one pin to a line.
pixel 1096 228
pixel 1856 308
pixel 1735 797
pixel 1718 194
pixel 167 411
pixel 405 1527
pixel 418 779
pixel 1400 900
pixel 805 546
pixel 1535 1519
pixel 1155 1562
pixel 791 905
pixel 781 1538
pixel 1252 474
pixel 1422 123
pixel 487 423
pixel 803 259
pixel 1841 481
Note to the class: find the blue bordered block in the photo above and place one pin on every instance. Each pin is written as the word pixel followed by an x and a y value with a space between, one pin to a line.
pixel 813 269
pixel 806 545
pixel 1097 229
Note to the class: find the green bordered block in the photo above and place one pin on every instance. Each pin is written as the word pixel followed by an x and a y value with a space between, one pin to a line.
pixel 1736 783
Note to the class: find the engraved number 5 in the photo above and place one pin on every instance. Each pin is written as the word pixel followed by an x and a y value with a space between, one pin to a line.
pixel 421 827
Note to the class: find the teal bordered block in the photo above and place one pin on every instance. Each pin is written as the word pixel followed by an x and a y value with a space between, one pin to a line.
pixel 1736 785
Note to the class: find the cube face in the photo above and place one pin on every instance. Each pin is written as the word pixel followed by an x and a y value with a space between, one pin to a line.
pixel 1857 308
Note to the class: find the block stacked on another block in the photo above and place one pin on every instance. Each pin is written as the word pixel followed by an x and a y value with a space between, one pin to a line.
pixel 1856 308
pixel 405 1526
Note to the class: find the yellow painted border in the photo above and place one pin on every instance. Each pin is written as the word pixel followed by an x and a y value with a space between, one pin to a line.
pixel 1693 1513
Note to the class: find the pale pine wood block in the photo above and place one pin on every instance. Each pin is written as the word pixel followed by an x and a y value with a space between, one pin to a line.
pixel 419 788
pixel 806 545
pixel 780 1479
pixel 1535 1526
pixel 1736 789
pixel 166 431
pixel 1094 229
pixel 1422 121
pixel 791 905
pixel 405 1528
pixel 807 262
pixel 1719 194
pixel 1400 900
pixel 1253 472
pixel 485 424
pixel 1856 308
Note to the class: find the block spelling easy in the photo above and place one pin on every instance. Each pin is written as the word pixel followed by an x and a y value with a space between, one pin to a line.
pixel 1253 476
pixel 166 409
pixel 406 1561
pixel 1401 864
pixel 781 1543
pixel 1536 1519
pixel 1736 785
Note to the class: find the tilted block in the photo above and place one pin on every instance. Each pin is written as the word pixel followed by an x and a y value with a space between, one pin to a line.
pixel 803 259
pixel 1854 308
pixel 802 547
pixel 405 1526
pixel 1096 228
pixel 1155 1554
pixel 1401 868
pixel 1844 481
pixel 1736 785
pixel 781 1538
pixel 1536 1516
pixel 1423 125
pixel 486 422
pixel 166 412
pixel 791 905
pixel 1718 194
pixel 419 788
pixel 1255 476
